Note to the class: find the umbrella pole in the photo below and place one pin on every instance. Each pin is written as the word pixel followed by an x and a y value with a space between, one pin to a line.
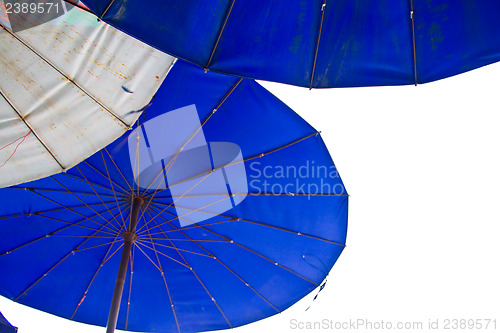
pixel 129 237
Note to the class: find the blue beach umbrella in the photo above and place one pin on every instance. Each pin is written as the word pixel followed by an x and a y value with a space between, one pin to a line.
pixel 5 326
pixel 219 208
pixel 317 43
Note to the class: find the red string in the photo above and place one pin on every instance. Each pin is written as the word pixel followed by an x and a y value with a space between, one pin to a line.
pixel 15 149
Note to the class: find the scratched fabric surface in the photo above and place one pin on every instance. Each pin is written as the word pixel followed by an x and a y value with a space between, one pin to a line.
pixel 68 87
pixel 318 43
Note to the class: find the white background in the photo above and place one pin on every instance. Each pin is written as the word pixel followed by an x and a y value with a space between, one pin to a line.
pixel 421 165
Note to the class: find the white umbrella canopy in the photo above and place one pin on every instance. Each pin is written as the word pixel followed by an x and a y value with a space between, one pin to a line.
pixel 68 87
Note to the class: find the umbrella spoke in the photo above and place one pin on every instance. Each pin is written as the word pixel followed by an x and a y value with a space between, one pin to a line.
pixel 23 119
pixel 93 278
pixel 199 280
pixel 166 284
pixel 93 183
pixel 94 246
pixel 73 251
pixel 236 162
pixel 191 240
pixel 84 236
pixel 118 169
pixel 70 80
pixel 112 187
pixel 74 224
pixel 232 218
pixel 173 248
pixel 74 211
pixel 112 254
pixel 77 224
pixel 191 137
pixel 100 199
pixel 252 251
pixel 136 162
pixel 163 254
pixel 225 266
pixel 106 10
pixel 323 9
pixel 137 243
pixel 52 234
pixel 60 191
pixel 124 191
pixel 294 194
pixel 45 211
pixel 187 227
pixel 219 35
pixel 190 212
pixel 414 47
pixel 125 224
pixel 256 194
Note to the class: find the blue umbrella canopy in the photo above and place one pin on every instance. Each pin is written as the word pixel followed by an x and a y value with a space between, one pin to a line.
pixel 318 43
pixel 225 205
pixel 5 326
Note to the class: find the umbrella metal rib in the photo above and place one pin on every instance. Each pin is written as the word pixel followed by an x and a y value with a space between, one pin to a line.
pixel 29 126
pixel 111 181
pixel 53 233
pixel 163 254
pixel 233 219
pixel 207 173
pixel 414 44
pixel 173 247
pixel 323 9
pixel 74 211
pixel 71 80
pixel 62 191
pixel 92 187
pixel 106 10
pixel 95 246
pixel 55 265
pixel 140 203
pixel 116 167
pixel 193 226
pixel 111 184
pixel 92 280
pixel 136 244
pixel 42 211
pixel 191 137
pixel 100 199
pixel 219 34
pixel 231 90
pixel 219 261
pixel 230 241
pixel 236 162
pixel 199 280
pixel 257 194
pixel 83 180
pixel 171 204
pixel 166 285
pixel 92 209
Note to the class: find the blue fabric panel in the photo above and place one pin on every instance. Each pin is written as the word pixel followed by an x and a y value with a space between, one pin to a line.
pixel 177 24
pixel 456 36
pixel 5 326
pixel 61 236
pixel 363 43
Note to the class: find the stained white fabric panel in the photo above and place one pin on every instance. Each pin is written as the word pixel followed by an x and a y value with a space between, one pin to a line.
pixel 68 88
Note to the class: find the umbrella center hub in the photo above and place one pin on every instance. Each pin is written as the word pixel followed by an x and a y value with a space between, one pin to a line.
pixel 129 236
